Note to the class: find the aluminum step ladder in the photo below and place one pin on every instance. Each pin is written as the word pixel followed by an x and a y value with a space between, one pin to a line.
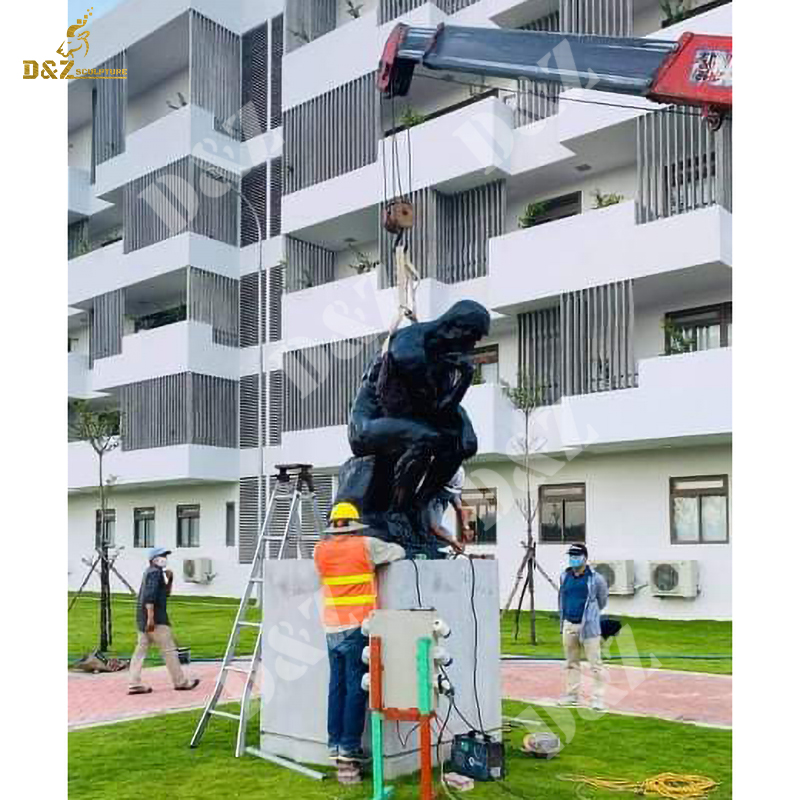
pixel 294 486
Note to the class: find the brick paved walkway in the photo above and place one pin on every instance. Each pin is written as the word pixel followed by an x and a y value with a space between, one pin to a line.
pixel 683 696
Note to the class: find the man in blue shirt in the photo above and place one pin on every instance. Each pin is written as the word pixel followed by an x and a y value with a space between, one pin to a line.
pixel 583 593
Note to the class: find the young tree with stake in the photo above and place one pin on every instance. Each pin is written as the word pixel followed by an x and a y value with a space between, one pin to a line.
pixel 100 428
pixel 526 398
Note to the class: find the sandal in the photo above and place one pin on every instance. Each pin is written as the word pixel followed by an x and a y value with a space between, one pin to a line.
pixel 188 686
pixel 140 690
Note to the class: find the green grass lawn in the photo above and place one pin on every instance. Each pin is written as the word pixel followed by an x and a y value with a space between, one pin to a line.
pixel 151 758
pixel 656 637
pixel 204 624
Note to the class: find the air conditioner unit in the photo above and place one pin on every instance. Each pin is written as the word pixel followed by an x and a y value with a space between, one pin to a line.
pixel 197 570
pixel 673 578
pixel 618 575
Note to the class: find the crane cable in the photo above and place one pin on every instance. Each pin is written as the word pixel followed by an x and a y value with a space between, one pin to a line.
pixel 668 785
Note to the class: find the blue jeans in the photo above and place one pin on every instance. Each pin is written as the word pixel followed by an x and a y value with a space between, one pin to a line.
pixel 347 701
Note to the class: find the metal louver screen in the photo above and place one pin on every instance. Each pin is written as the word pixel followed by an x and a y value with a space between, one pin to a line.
pixel 307 264
pixel 331 134
pixel 597 339
pixel 450 233
pixel 188 408
pixel 275 195
pixel 307 20
pixel 540 352
pixel 549 23
pixel 105 338
pixel 320 382
pixel 109 122
pixel 681 163
pixel 248 412
pixel 178 198
pixel 598 17
pixel 215 72
pixel 213 299
pixel 535 100
pixel 254 82
pixel 254 188
pixel 392 9
pixel 276 73
pixel 248 517
pixel 276 303
pixel 275 407
pixel 248 309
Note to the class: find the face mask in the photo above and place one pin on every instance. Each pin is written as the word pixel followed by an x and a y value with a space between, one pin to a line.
pixel 576 562
pixel 160 561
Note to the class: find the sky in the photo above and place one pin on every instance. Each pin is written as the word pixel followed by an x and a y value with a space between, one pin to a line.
pixel 77 8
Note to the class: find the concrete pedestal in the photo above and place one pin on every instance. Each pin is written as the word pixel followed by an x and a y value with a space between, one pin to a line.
pixel 294 676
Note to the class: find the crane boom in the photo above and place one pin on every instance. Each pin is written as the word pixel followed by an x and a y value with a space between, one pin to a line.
pixel 695 70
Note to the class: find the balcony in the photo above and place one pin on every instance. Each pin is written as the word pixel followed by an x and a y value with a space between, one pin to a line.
pixel 160 466
pixel 601 246
pixel 79 376
pixel 81 198
pixel 169 350
pixel 187 130
pixel 680 398
pixel 355 306
pixel 109 268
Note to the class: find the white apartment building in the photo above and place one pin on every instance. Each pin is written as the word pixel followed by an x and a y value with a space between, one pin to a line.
pixel 596 228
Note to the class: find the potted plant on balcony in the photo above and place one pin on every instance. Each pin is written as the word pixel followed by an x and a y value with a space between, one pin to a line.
pixel 531 213
pixel 409 118
pixel 354 10
pixel 363 263
pixel 674 11
pixel 604 200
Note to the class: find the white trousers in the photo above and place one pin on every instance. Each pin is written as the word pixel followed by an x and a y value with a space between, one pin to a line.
pixel 572 653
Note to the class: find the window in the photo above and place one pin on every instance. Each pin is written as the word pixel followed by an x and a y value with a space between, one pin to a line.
pixel 188 526
pixel 144 527
pixel 699 509
pixel 562 513
pixel 482 505
pixel 230 525
pixel 485 361
pixel 110 526
pixel 698 329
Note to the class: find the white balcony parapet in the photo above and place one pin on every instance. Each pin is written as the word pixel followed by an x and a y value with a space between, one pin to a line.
pixel 169 350
pixel 679 397
pixel 109 268
pixel 468 134
pixel 78 377
pixel 564 255
pixel 81 198
pixel 157 466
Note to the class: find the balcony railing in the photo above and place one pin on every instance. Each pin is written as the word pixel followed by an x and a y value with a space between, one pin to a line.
pixel 681 164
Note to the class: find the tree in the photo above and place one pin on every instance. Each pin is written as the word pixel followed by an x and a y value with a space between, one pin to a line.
pixel 100 428
pixel 526 397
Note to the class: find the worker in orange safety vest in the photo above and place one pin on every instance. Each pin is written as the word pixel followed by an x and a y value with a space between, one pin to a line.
pixel 346 560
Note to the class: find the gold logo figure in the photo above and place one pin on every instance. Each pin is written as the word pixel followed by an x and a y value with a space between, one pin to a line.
pixel 76 39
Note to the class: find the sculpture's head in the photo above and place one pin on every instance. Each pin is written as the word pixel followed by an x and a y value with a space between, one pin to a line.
pixel 459 328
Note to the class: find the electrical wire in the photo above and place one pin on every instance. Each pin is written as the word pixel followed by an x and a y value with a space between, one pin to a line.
pixel 404 742
pixel 475 652
pixel 416 576
pixel 582 101
pixel 667 784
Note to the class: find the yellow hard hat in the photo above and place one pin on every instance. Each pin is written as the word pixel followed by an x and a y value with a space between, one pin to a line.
pixel 344 518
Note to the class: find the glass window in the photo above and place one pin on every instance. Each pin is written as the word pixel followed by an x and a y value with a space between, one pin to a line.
pixel 188 526
pixel 699 509
pixel 486 363
pixel 230 524
pixel 695 329
pixel 481 505
pixel 144 527
pixel 562 513
pixel 110 526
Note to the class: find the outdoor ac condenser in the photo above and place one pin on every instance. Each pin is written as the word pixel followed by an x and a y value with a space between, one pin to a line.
pixel 197 570
pixel 618 575
pixel 673 578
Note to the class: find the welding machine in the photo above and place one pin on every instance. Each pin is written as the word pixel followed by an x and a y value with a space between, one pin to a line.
pixel 478 756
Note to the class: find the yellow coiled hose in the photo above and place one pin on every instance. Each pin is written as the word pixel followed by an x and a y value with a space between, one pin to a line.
pixel 667 784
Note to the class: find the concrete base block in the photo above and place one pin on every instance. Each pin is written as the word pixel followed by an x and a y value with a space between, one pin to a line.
pixel 294 677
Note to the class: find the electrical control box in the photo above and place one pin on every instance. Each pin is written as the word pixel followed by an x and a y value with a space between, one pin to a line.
pixel 478 756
